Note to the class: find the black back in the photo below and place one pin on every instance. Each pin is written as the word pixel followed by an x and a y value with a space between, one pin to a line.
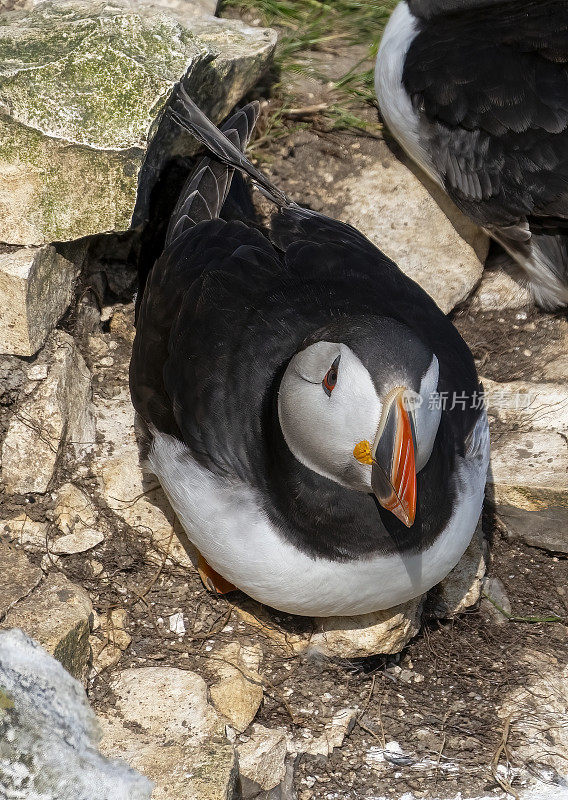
pixel 491 87
pixel 224 310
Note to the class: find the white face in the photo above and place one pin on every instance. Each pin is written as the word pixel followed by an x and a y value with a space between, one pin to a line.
pixel 321 427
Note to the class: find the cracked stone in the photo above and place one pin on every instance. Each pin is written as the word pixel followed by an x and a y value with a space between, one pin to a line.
pixel 163 726
pixel 262 759
pixel 36 288
pixel 238 694
pixel 18 577
pixel 57 614
pixel 55 412
pixel 532 433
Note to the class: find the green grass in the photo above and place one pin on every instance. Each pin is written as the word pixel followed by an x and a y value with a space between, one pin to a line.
pixel 308 26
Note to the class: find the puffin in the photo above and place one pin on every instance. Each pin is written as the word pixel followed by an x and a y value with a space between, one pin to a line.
pixel 313 417
pixel 476 92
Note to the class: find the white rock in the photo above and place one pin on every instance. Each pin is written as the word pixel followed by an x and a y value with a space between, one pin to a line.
pixel 333 735
pixel 263 758
pixel 387 203
pixel 163 726
pixel 498 291
pixel 36 288
pixel 177 625
pixel 528 478
pixel 50 735
pixel 78 542
pixel 57 412
pixel 369 634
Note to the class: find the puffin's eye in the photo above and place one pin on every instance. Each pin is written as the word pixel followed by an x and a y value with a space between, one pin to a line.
pixel 330 378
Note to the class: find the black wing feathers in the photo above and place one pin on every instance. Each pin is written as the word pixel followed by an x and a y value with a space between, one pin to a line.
pixel 207 187
pixel 491 87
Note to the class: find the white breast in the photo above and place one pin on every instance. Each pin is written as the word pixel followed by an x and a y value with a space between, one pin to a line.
pixel 225 521
pixel 394 101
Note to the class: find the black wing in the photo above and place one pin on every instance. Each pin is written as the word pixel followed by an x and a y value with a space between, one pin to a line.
pixel 491 88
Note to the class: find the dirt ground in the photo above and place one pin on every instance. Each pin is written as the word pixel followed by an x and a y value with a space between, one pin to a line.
pixel 439 699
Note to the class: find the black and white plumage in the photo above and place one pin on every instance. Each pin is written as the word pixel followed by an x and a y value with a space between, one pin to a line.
pixel 259 364
pixel 476 91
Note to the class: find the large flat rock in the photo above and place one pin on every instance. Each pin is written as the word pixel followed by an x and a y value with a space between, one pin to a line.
pixel 163 726
pixel 55 413
pixel 84 86
pixel 529 460
pixel 412 223
pixel 57 615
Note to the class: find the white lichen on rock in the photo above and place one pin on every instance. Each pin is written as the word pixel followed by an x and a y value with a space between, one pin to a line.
pixel 49 734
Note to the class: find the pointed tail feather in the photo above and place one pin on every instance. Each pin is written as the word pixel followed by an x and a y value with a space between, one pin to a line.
pixel 220 145
pixel 207 187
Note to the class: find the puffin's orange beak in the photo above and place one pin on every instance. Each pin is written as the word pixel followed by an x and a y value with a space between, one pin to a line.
pixel 392 460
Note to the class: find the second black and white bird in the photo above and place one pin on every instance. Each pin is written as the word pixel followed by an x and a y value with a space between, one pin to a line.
pixel 476 91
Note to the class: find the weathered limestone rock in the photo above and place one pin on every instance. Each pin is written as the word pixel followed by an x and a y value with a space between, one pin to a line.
pixel 24 531
pixel 498 291
pixel 462 587
pixel 163 726
pixel 529 461
pixel 56 412
pixel 538 720
pixel 333 735
pixel 368 634
pixel 238 694
pixel 111 639
pixel 83 88
pixel 76 517
pixel 57 615
pixel 262 759
pixel 18 577
pixel 36 287
pixel 49 734
pixel 387 203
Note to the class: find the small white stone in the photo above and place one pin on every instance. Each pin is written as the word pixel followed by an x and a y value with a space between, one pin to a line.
pixel 177 624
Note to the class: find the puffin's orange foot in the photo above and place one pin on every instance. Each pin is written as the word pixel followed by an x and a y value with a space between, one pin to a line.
pixel 212 580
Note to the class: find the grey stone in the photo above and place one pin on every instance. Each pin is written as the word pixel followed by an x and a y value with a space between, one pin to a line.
pixel 163 726
pixel 84 86
pixel 409 223
pixel 36 288
pixel 57 614
pixel 461 588
pixel 18 577
pixel 496 601
pixel 262 759
pixel 498 291
pixel 528 478
pixel 55 412
pixel 49 734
